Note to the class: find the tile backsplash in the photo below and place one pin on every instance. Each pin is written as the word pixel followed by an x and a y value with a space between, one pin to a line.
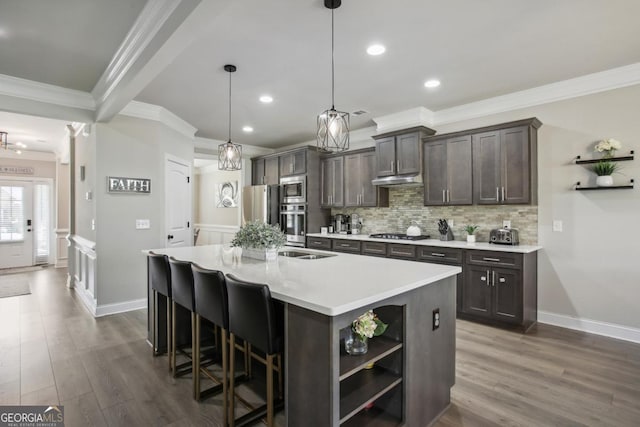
pixel 406 204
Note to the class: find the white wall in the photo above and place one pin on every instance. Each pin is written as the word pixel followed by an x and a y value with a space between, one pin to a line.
pixel 206 212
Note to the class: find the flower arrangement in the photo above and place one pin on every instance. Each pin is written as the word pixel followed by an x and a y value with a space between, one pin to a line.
pixel 259 235
pixel 368 325
pixel 608 147
pixel 605 168
pixel 471 229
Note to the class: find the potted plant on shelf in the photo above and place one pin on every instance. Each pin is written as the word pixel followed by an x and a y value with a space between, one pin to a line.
pixel 604 169
pixel 259 240
pixel 471 233
pixel 364 327
pixel 608 147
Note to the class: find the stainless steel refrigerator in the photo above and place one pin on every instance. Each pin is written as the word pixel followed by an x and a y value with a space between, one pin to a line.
pixel 261 203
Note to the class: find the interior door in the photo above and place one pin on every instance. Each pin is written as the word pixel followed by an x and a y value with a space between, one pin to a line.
pixel 16 236
pixel 178 204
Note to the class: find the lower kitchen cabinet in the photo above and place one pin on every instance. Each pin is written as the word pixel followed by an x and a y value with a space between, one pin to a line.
pixel 446 256
pixel 349 246
pixel 319 243
pixel 500 288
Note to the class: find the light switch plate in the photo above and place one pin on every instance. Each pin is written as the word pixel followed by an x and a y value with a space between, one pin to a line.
pixel 143 224
pixel 557 225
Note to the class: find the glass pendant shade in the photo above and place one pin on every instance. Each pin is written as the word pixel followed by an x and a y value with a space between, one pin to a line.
pixel 333 131
pixel 229 156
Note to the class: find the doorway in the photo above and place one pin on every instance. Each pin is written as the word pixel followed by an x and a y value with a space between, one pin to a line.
pixel 178 202
pixel 25 222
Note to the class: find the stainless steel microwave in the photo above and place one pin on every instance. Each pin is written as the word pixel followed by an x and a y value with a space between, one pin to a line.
pixel 293 189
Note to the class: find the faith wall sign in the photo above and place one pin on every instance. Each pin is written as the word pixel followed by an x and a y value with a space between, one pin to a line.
pixel 119 184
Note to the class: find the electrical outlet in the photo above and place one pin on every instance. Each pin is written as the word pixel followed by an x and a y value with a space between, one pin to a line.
pixel 557 225
pixel 506 223
pixel 436 319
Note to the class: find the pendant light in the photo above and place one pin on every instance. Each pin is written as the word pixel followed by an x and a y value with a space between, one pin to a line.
pixel 333 125
pixel 229 154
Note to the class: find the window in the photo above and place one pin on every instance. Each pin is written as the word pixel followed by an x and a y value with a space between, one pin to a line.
pixel 42 223
pixel 11 214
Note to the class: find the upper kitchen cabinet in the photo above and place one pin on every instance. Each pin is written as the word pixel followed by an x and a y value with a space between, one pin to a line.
pixel 447 171
pixel 505 163
pixel 359 170
pixel 398 153
pixel 293 162
pixel 264 170
pixel 332 178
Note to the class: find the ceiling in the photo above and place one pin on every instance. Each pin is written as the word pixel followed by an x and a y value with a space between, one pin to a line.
pixel 477 49
pixel 37 133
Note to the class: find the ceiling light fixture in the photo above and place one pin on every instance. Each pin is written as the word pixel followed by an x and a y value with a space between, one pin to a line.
pixel 266 99
pixel 432 83
pixel 247 129
pixel 333 125
pixel 229 154
pixel 3 139
pixel 376 49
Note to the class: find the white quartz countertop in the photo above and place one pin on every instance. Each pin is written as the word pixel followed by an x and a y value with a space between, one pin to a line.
pixel 524 249
pixel 331 286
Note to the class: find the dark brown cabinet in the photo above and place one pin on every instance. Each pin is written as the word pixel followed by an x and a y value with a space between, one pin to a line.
pixel 293 163
pixel 350 246
pixel 448 171
pixel 319 243
pixel 446 256
pixel 359 170
pixel 332 177
pixel 265 171
pixel 500 288
pixel 399 152
pixel 504 163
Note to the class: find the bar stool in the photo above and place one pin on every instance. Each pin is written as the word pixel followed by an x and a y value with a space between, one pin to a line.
pixel 160 282
pixel 211 304
pixel 182 295
pixel 253 316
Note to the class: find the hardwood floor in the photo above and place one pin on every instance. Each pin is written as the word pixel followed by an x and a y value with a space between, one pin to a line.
pixel 53 352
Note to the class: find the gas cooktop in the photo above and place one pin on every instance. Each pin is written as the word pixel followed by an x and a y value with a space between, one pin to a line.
pixel 398 236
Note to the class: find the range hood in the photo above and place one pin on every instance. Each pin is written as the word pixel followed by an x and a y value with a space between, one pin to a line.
pixel 392 181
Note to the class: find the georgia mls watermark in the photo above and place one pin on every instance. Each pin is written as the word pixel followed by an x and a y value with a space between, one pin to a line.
pixel 32 416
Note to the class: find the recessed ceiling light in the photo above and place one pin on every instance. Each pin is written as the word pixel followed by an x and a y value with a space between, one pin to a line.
pixel 266 99
pixel 247 129
pixel 376 49
pixel 432 83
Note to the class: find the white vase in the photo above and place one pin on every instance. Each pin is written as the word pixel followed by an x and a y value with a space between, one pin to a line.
pixel 604 181
pixel 471 238
pixel 262 254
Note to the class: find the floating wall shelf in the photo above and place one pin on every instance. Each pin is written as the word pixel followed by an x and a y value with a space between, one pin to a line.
pixel 613 159
pixel 613 187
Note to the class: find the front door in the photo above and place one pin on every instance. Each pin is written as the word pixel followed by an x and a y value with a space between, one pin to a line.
pixel 16 236
pixel 178 203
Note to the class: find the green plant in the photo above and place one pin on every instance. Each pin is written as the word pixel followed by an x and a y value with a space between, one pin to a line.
pixel 471 229
pixel 259 235
pixel 605 167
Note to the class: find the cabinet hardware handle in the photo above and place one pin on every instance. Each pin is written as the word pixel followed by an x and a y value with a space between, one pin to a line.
pixel 488 278
pixel 444 200
pixel 503 194
pixel 398 169
pixel 345 245
pixel 448 196
pixel 392 166
pixel 493 281
pixel 491 259
pixel 497 194
pixel 502 280
pixel 437 254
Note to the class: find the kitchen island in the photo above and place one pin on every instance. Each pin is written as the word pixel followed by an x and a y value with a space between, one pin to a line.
pixel 414 360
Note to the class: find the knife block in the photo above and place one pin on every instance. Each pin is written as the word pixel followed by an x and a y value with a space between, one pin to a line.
pixel 446 236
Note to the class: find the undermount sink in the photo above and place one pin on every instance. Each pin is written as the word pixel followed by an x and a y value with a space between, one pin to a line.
pixel 304 255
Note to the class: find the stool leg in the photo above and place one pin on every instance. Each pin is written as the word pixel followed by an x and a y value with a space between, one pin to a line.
pixel 173 339
pixel 225 385
pixel 170 332
pixel 247 359
pixel 280 388
pixel 154 323
pixel 270 390
pixel 195 363
pixel 232 376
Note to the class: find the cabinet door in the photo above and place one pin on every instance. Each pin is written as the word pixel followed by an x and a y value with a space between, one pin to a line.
pixel 368 172
pixel 338 181
pixel 507 295
pixel 408 153
pixel 459 173
pixel 257 172
pixel 515 160
pixel 476 293
pixel 435 173
pixel 352 180
pixel 386 152
pixel 286 164
pixel 299 162
pixel 271 174
pixel 326 182
pixel 486 168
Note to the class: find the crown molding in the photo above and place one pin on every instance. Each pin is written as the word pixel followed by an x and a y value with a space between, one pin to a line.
pixel 143 110
pixel 150 21
pixel 615 78
pixel 419 116
pixel 43 92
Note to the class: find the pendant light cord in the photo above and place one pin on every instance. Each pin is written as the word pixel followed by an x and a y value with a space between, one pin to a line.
pixel 229 106
pixel 333 84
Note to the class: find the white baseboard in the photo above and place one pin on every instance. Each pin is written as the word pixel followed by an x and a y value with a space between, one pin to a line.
pixel 61 263
pixel 86 298
pixel 120 307
pixel 611 330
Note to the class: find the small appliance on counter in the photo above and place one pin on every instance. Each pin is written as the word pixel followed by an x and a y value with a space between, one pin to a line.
pixel 504 236
pixel 414 229
pixel 445 231
pixel 356 224
pixel 398 236
pixel 341 224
